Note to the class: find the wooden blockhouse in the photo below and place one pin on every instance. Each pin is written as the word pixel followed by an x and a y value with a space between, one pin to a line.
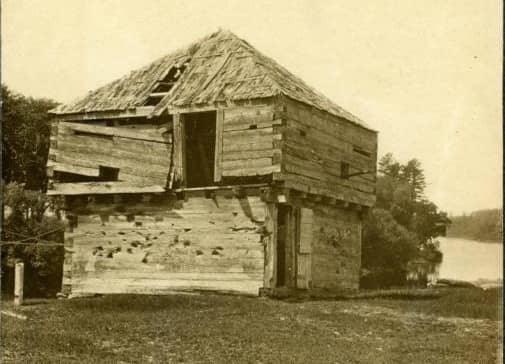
pixel 213 168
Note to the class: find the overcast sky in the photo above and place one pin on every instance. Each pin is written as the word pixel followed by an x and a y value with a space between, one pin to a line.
pixel 425 73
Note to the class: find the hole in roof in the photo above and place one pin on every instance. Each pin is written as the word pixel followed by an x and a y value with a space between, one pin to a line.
pixel 163 86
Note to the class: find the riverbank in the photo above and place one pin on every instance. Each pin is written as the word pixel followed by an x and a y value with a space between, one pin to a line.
pixel 462 326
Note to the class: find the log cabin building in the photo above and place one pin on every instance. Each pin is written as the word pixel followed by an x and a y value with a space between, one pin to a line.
pixel 213 168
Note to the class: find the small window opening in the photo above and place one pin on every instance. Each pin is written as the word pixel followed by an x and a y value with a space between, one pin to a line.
pixel 361 151
pixel 108 173
pixel 344 170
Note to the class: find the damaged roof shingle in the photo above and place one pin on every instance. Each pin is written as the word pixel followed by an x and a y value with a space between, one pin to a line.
pixel 219 67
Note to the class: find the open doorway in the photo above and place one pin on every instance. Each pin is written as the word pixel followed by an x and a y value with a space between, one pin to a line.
pixel 285 246
pixel 200 141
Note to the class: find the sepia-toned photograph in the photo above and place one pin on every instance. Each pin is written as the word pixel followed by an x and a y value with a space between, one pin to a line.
pixel 251 181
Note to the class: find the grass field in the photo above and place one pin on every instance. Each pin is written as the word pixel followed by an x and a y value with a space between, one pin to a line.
pixel 462 326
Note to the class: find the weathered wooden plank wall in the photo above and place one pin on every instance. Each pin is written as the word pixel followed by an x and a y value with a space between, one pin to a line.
pixel 203 244
pixel 315 143
pixel 328 247
pixel 81 149
pixel 248 144
pixel 336 248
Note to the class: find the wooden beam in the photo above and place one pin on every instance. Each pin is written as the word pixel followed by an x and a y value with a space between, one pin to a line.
pixel 141 111
pixel 343 204
pixel 330 200
pixel 268 195
pixel 158 94
pixel 89 188
pixel 154 136
pixel 75 169
pixel 270 240
pixel 218 154
pixel 216 71
pixel 229 187
pixel 178 147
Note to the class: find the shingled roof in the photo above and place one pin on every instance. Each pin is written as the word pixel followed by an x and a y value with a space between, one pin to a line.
pixel 219 67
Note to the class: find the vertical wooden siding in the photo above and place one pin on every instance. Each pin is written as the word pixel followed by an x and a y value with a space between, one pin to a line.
pixel 304 253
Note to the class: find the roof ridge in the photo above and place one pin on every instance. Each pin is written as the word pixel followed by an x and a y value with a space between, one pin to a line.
pixel 207 78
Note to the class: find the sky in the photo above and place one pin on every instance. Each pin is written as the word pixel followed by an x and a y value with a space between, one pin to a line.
pixel 426 74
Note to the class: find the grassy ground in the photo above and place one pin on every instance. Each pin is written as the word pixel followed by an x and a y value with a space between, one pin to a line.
pixel 463 326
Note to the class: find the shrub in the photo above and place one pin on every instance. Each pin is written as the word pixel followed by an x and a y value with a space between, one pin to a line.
pixel 27 224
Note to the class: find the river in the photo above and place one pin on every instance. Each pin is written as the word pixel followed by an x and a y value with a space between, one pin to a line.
pixel 470 260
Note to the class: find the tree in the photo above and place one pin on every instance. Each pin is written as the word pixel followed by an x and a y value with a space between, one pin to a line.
pixel 25 144
pixel 388 166
pixel 400 230
pixel 414 176
pixel 35 236
pixel 25 139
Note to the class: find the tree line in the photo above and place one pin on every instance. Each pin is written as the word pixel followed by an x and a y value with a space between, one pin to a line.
pixel 481 225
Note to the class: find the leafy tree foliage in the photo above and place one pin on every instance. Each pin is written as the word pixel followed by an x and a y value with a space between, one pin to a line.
pixel 387 248
pixel 27 224
pixel 402 228
pixel 25 139
pixel 25 143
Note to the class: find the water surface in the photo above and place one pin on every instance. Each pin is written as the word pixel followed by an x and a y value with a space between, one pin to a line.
pixel 470 260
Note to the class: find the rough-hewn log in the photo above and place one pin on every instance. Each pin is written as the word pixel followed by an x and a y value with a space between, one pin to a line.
pixel 89 188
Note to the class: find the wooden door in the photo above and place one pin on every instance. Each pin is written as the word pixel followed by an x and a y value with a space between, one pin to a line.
pixel 304 223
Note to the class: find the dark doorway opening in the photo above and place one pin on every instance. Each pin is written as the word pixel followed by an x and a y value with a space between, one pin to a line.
pixel 200 143
pixel 284 246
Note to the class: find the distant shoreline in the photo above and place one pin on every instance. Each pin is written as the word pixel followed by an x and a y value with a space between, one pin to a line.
pixel 482 225
pixel 486 241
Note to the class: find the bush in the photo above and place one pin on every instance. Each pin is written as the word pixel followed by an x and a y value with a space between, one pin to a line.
pixel 27 223
pixel 387 248
pixel 398 245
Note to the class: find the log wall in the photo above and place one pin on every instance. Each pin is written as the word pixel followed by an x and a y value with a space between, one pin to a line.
pixel 249 138
pixel 328 247
pixel 314 146
pixel 200 244
pixel 82 148
pixel 336 248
